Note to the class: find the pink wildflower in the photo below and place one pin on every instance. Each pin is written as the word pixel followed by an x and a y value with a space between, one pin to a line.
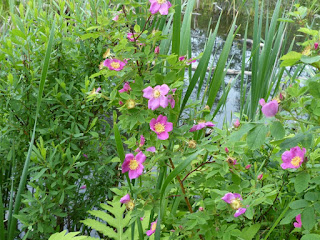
pixel 161 6
pixel 260 176
pixel 98 90
pixel 114 64
pixel 151 149
pixel 316 45
pixel 182 58
pixel 115 18
pixel 125 199
pixel 227 150
pixel 293 158
pixel 161 127
pixel 248 166
pixel 157 96
pixel 298 222
pixel 126 88
pixel 120 103
pixel 200 125
pixel 152 228
pixel 234 199
pixel 83 187
pixel 236 123
pixel 133 164
pixel 269 109
pixel 157 50
pixel 141 219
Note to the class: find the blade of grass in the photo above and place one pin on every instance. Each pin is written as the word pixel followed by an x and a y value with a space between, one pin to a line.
pixel 24 175
pixel 176 28
pixel 243 89
pixel 1 216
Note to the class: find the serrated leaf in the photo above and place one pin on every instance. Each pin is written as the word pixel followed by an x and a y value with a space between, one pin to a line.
pixel 256 136
pixel 277 130
pixel 308 218
pixel 249 233
pixel 69 236
pixel 290 58
pixel 301 182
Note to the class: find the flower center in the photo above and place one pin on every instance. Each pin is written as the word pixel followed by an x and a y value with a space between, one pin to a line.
pixel 130 205
pixel 133 165
pixel 235 204
pixel 161 1
pixel 159 128
pixel 201 121
pixel 153 227
pixel 156 93
pixel 115 65
pixel 296 161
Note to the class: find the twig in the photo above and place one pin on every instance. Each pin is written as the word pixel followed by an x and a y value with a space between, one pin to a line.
pixel 196 169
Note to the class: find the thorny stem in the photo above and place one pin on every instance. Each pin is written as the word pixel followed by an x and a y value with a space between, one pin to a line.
pixel 196 169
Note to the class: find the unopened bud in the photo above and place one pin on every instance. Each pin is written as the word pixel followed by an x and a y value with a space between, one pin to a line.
pixel 260 176
pixel 200 209
pixel 157 50
pixel 236 123
pixel 316 45
pixel 248 166
pixel 227 150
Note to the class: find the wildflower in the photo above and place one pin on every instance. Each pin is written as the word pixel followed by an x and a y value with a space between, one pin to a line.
pixel 171 101
pixel 141 219
pixel 269 109
pixel 248 166
pixel 83 187
pixel 260 176
pixel 142 141
pixel 157 50
pixel 116 16
pixel 298 222
pixel 125 199
pixel 126 88
pixel 151 149
pixel 130 37
pixel 201 124
pixel 192 144
pixel 234 199
pixel 157 96
pixel 152 228
pixel 293 158
pixel 236 123
pixel 182 58
pixel 316 45
pixel 161 6
pixel 133 164
pixel 131 104
pixel 161 127
pixel 85 155
pixel 114 64
pixel 227 150
pixel 98 90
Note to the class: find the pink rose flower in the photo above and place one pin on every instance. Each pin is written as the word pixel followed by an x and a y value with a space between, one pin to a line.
pixel 260 176
pixel 316 45
pixel 298 222
pixel 234 199
pixel 161 6
pixel 126 88
pixel 161 127
pixel 248 166
pixel 157 96
pixel 269 109
pixel 236 123
pixel 125 199
pixel 114 64
pixel 200 125
pixel 152 228
pixel 293 158
pixel 157 50
pixel 151 149
pixel 133 164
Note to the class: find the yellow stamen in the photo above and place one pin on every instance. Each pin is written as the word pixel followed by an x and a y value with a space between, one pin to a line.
pixel 130 205
pixel 115 65
pixel 296 161
pixel 192 144
pixel 201 121
pixel 159 128
pixel 153 227
pixel 235 204
pixel 131 104
pixel 161 1
pixel 156 93
pixel 133 165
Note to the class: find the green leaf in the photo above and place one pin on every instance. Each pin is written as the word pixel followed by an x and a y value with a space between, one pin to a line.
pixel 314 89
pixel 308 31
pixel 249 233
pixel 257 136
pixel 69 236
pixel 311 236
pixel 301 182
pixel 298 204
pixel 277 130
pixel 308 218
pixel 136 29
pixel 290 59
pixel 309 60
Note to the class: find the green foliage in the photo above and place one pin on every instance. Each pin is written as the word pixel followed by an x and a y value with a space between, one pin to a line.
pixel 69 236
pixel 118 221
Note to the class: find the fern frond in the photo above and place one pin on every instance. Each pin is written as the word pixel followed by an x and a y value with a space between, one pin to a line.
pixel 114 217
pixel 69 236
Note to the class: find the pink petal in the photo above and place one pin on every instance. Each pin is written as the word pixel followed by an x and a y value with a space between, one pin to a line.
pixel 125 166
pixel 125 198
pixel 148 92
pixel 162 119
pixel 262 102
pixel 151 149
pixel 169 127
pixel 240 211
pixel 209 124
pixel 164 89
pixel 154 8
pixel 237 195
pixel 228 197
pixel 164 8
pixel 286 157
pixel 152 123
pixel 154 103
pixel 140 157
pixel 163 136
pixel 163 101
